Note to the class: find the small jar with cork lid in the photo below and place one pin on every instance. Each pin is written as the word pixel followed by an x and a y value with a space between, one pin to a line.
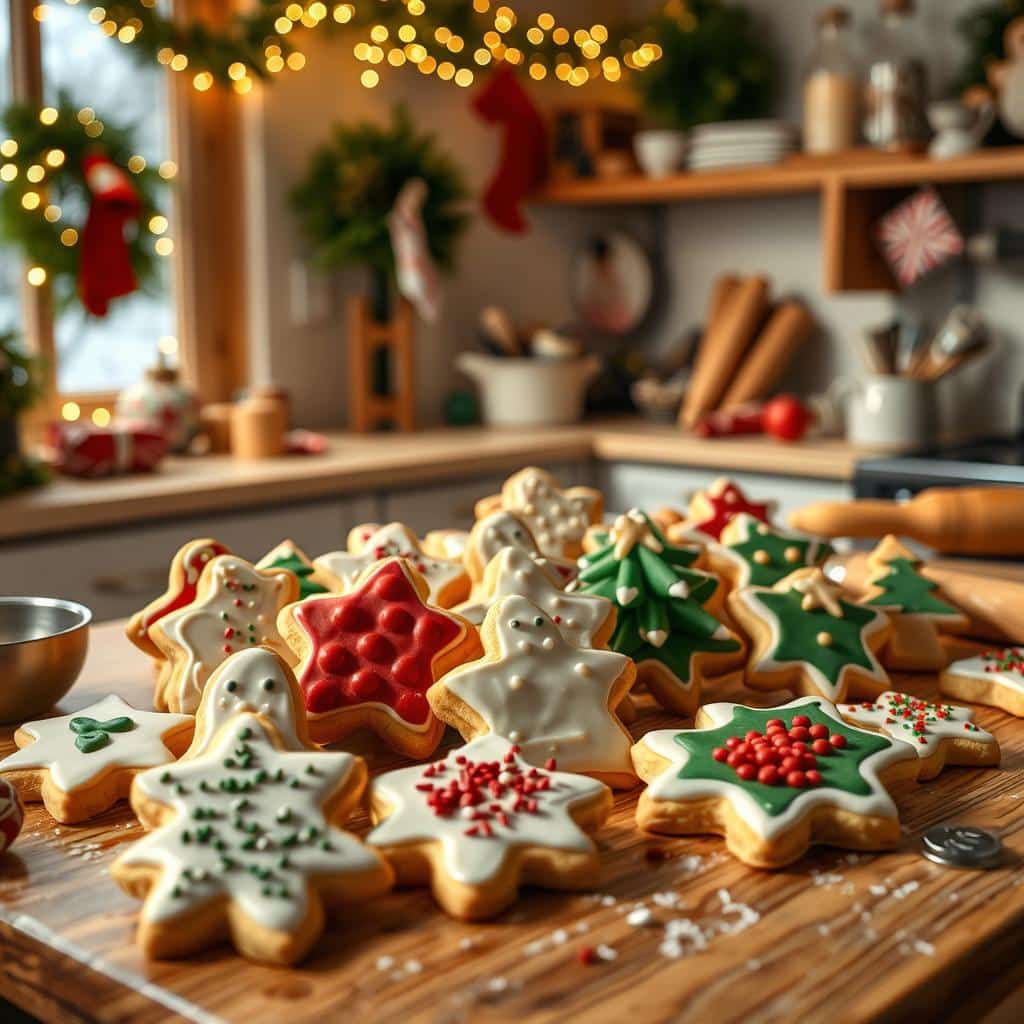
pixel 832 87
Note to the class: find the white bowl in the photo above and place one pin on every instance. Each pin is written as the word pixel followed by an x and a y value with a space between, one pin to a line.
pixel 659 152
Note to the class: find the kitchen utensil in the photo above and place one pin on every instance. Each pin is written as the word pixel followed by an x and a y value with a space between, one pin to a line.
pixel 659 152
pixel 964 334
pixel 886 411
pixel 953 520
pixel 43 641
pixel 529 392
pixel 958 129
pixel 877 345
pixel 962 846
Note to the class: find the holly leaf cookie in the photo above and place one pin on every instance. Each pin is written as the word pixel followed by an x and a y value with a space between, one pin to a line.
pixel 940 733
pixel 542 693
pixel 557 518
pixel 500 530
pixel 995 678
pixel 773 781
pixel 288 555
pixel 481 822
pixel 245 839
pixel 665 619
pixel 917 607
pixel 367 657
pixel 80 765
pixel 752 553
pixel 806 637
pixel 713 509
pixel 182 581
pixel 446 577
pixel 235 606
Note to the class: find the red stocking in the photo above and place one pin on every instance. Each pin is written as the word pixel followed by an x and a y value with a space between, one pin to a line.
pixel 105 268
pixel 523 162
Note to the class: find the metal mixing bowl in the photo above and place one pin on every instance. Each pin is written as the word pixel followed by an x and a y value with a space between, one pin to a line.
pixel 43 641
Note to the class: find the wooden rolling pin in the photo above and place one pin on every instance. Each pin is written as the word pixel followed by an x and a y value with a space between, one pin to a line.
pixel 723 346
pixel 952 520
pixel 788 327
pixel 995 605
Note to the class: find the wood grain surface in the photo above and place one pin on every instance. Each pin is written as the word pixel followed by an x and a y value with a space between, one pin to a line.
pixel 837 936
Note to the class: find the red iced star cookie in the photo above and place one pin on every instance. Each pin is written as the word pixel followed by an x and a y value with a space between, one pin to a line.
pixel 368 657
pixel 712 510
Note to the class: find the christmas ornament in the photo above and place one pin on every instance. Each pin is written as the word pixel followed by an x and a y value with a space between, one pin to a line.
pixel 162 402
pixel 415 270
pixel 917 236
pixel 82 449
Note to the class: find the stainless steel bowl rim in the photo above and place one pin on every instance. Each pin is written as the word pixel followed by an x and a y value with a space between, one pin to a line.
pixel 83 613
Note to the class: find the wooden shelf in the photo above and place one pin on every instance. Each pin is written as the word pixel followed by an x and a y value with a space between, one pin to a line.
pixel 855 190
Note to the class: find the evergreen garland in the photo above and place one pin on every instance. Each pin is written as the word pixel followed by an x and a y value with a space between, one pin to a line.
pixel 982 29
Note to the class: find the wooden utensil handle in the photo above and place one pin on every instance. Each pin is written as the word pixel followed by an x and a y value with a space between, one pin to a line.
pixel 863 518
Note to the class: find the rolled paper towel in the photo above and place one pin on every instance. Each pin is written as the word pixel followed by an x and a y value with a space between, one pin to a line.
pixel 788 327
pixel 723 348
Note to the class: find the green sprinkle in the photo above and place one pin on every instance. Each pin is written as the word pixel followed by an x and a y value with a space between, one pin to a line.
pixel 229 762
pixel 186 836
pixel 283 813
pixel 294 784
pixel 291 839
pixel 246 731
pixel 180 789
pixel 284 893
pixel 166 777
pixel 325 844
pixel 310 769
pixel 266 890
pixel 176 892
pixel 283 862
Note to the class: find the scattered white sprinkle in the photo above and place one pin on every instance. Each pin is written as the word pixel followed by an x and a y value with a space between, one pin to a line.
pixel 826 878
pixel 467 942
pixel 824 929
pixel 535 947
pixel 753 964
pixel 906 889
pixel 385 963
pixel 877 890
pixel 559 937
pixel 866 916
pixel 56 832
pixel 666 899
pixel 924 948
pixel 857 907
pixel 498 984
pixel 848 889
pixel 953 897
pixel 852 858
pixel 682 937
pixel 608 901
pixel 581 927
pixel 606 952
pixel 413 967
pixel 640 917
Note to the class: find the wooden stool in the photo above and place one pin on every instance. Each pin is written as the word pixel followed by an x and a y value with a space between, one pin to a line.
pixel 370 410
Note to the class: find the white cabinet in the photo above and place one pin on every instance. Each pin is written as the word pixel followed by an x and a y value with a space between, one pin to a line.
pixel 116 571
pixel 630 484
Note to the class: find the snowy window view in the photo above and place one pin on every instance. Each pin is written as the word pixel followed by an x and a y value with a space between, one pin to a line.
pixel 107 354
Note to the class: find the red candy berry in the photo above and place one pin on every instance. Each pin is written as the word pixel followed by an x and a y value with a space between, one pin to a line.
pixel 746 771
pixel 837 740
pixel 796 779
pixel 801 720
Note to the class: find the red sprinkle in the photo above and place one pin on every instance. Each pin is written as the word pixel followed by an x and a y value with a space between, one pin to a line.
pixel 586 955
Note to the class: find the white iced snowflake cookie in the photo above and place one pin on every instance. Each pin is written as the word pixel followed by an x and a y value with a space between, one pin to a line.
pixel 245 836
pixel 995 678
pixel 79 765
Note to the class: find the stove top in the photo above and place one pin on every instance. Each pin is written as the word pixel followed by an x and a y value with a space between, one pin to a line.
pixel 987 462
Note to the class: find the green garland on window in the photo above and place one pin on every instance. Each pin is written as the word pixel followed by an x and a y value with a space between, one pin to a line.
pixel 41 153
pixel 20 387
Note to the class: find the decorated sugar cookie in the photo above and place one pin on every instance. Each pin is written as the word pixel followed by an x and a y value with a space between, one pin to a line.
pixel 503 529
pixel 995 678
pixel 557 518
pixel 540 692
pixel 288 555
pixel 773 781
pixel 447 543
pixel 183 579
pixel 367 657
pixel 751 553
pixel 481 822
pixel 445 577
pixel 665 619
pixel 940 733
pixel 80 765
pixel 918 609
pixel 12 815
pixel 235 607
pixel 245 835
pixel 586 620
pixel 806 637
pixel 712 510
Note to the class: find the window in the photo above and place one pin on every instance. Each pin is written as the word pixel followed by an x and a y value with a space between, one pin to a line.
pixel 10 269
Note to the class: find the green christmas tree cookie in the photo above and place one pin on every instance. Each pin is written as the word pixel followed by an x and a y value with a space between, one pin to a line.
pixel 756 554
pixel 288 555
pixel 663 623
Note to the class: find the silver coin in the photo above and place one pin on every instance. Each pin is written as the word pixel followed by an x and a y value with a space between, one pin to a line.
pixel 962 846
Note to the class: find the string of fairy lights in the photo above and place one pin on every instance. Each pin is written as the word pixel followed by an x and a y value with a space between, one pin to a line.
pixel 454 40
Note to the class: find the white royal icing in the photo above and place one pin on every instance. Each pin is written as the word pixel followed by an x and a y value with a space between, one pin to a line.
pixel 556 518
pixel 888 714
pixel 983 667
pixel 277 813
pixel 670 788
pixel 477 859
pixel 53 747
pixel 393 539
pixel 199 629
pixel 513 571
pixel 544 694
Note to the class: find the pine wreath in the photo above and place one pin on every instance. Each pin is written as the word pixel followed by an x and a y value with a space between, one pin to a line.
pixel 42 176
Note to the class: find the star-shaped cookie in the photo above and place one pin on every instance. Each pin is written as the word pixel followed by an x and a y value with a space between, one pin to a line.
pixel 481 822
pixel 446 577
pixel 503 529
pixel 995 678
pixel 79 765
pixel 773 781
pixel 235 607
pixel 942 734
pixel 557 518
pixel 807 637
pixel 712 510
pixel 288 555
pixel 367 657
pixel 245 838
pixel 540 692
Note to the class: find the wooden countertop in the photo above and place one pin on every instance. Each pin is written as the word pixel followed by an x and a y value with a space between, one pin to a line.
pixel 836 936
pixel 360 462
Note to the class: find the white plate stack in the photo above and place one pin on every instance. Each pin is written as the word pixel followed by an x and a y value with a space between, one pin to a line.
pixel 740 144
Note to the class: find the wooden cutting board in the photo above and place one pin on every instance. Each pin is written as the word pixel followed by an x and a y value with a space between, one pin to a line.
pixel 837 936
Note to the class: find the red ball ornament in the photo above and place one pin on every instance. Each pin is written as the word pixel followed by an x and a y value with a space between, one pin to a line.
pixel 786 418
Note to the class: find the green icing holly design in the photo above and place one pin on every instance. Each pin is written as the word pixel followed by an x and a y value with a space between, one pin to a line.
pixel 771 554
pixel 659 599
pixel 904 589
pixel 799 630
pixel 302 569
pixel 840 770
pixel 92 735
